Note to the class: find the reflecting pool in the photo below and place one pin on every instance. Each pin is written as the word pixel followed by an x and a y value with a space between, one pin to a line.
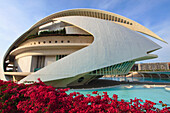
pixel 128 92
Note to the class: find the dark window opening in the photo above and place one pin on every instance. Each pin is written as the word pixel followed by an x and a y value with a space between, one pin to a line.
pixel 109 17
pixel 40 63
pixel 44 42
pixel 118 19
pixel 55 41
pixel 60 57
pixel 121 20
pixel 68 41
pixel 38 42
pixel 62 41
pixel 106 17
pixel 115 18
pixel 49 41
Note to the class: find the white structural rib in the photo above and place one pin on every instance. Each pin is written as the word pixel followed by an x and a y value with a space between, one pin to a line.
pixel 112 44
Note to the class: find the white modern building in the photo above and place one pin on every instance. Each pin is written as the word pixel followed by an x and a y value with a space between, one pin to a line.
pixel 73 47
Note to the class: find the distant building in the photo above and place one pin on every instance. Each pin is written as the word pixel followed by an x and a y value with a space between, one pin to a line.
pixel 73 47
pixel 162 66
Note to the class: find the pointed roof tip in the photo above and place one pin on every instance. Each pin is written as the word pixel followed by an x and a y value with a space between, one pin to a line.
pixel 166 42
pixel 153 35
pixel 163 40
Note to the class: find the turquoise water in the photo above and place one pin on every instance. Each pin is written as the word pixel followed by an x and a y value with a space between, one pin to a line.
pixel 140 79
pixel 153 94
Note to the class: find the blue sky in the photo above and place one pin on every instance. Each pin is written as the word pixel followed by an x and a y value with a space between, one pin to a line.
pixel 17 16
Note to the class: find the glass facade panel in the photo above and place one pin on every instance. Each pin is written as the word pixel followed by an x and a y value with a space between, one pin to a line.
pixel 118 69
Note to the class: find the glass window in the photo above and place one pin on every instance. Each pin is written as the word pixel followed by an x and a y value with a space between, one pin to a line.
pixel 40 61
pixel 118 19
pixel 57 57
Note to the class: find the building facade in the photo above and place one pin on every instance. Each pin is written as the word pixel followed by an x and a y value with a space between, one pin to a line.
pixel 161 66
pixel 73 47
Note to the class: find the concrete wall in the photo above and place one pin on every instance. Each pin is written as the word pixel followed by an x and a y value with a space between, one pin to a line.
pixel 48 52
pixel 54 45
pixel 24 64
pixel 74 30
pixel 49 60
pixel 53 39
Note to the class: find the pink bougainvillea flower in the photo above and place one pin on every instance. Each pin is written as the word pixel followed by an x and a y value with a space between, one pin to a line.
pixel 40 98
pixel 94 92
pixel 160 102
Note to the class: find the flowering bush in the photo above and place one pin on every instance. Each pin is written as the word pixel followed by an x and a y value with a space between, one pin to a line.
pixel 40 98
